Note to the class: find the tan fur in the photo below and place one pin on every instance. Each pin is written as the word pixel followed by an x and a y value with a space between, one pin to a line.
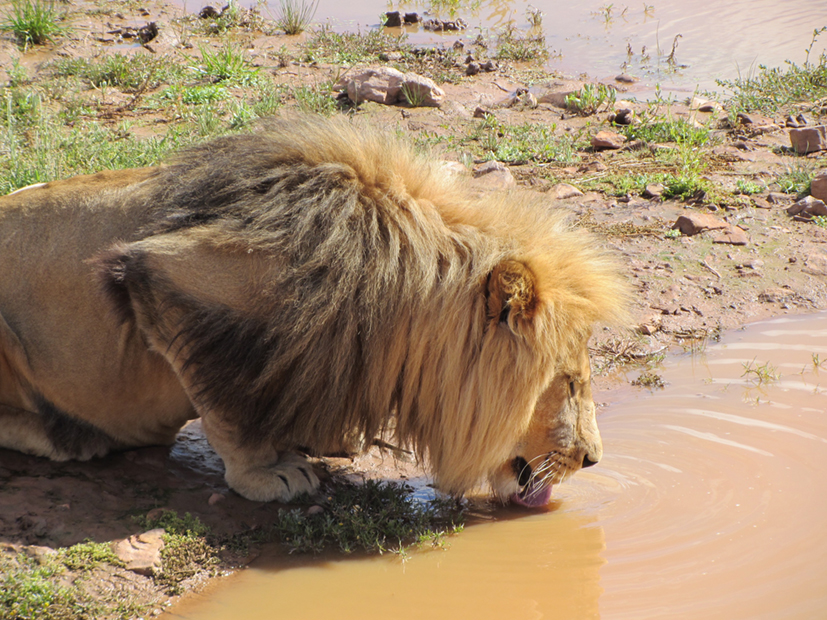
pixel 309 285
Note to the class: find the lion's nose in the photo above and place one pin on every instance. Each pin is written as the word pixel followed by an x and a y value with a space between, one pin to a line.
pixel 587 462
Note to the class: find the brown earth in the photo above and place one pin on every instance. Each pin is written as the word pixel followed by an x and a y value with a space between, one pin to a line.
pixel 688 289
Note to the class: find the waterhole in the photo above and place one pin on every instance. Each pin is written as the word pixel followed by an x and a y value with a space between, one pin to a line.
pixel 709 503
pixel 712 40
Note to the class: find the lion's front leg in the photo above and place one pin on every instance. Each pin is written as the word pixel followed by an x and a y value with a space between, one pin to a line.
pixel 261 473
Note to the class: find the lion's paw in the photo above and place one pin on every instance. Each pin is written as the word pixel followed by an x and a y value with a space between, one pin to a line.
pixel 290 476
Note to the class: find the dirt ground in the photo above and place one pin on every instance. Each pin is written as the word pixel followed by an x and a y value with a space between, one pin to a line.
pixel 687 289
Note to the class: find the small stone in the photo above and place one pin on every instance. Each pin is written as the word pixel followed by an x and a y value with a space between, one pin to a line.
pixel 808 206
pixel 625 78
pixel 390 56
pixel 216 498
pixel 653 190
pixel 623 116
pixel 818 186
pixel 732 235
pixel 455 167
pixel 141 553
pixel 208 12
pixel 481 112
pixel 756 120
pixel 393 19
pixel 315 510
pixel 562 191
pixel 490 66
pixel 809 139
pixel 472 69
pixel 695 223
pixel 761 203
pixel 411 18
pixel 608 140
pixel 494 175
pixel 421 91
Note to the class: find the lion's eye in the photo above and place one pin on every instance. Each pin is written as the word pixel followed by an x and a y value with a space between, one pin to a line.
pixel 571 389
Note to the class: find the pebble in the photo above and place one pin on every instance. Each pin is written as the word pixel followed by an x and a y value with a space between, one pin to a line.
pixel 608 140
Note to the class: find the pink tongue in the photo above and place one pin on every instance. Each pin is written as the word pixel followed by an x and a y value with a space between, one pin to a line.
pixel 533 497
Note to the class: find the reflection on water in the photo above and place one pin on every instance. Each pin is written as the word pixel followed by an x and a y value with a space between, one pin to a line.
pixel 709 503
pixel 717 39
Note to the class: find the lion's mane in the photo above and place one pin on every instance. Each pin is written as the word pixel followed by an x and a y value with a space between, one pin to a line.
pixel 380 317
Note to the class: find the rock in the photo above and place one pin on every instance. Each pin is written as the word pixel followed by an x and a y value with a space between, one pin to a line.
pixel 760 203
pixel 555 92
pixel 818 186
pixel 797 121
pixel 626 79
pixel 562 191
pixel 208 12
pixel 437 25
pixel 732 235
pixel 472 69
pixel 695 223
pixel 816 264
pixel 756 120
pixel 411 18
pixel 40 554
pixel 809 139
pixel 419 90
pixel 481 112
pixel 704 105
pixel 808 206
pixel 623 116
pixel 141 553
pixel 390 56
pixel 653 190
pixel 494 175
pixel 216 498
pixel 315 510
pixel 388 85
pixel 393 19
pixel 382 84
pixel 608 140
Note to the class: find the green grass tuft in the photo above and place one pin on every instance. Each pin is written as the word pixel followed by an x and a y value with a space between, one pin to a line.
pixel 293 16
pixel 33 22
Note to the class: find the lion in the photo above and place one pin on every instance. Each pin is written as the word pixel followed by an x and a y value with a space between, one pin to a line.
pixel 303 289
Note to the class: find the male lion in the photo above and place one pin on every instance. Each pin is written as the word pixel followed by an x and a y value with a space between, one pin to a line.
pixel 309 286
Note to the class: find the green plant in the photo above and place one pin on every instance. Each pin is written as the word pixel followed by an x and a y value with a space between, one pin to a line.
pixel 765 374
pixel 348 48
pixel 293 16
pixel 316 98
pixel 227 64
pixel 796 178
pixel 414 96
pixel 672 233
pixel 589 99
pixel 661 130
pixel 523 143
pixel 747 187
pixel 33 22
pixel 373 517
pixel 649 379
pixel 820 220
pixel 513 45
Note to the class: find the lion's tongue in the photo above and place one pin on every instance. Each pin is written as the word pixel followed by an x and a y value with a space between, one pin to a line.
pixel 533 496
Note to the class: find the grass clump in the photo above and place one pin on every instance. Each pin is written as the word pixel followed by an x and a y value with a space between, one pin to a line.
pixel 678 131
pixel 33 22
pixel 796 179
pixel 348 48
pixel 119 71
pixel 769 89
pixel 511 44
pixel 374 517
pixel 760 374
pixel 226 64
pixel 590 99
pixel 293 16
pixel 529 142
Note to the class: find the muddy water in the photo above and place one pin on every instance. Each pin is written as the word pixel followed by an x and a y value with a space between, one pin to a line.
pixel 709 503
pixel 718 39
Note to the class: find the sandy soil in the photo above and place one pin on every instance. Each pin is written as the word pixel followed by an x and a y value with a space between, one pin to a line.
pixel 688 289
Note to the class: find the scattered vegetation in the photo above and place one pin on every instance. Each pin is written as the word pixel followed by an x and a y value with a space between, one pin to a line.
pixel 293 16
pixel 650 380
pixel 760 375
pixel 375 517
pixel 511 44
pixel 797 178
pixel 517 144
pixel 769 89
pixel 591 99
pixel 33 22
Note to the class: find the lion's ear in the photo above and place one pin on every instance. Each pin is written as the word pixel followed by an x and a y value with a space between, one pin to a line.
pixel 511 292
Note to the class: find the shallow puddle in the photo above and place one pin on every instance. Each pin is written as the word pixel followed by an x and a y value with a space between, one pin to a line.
pixel 715 39
pixel 709 503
